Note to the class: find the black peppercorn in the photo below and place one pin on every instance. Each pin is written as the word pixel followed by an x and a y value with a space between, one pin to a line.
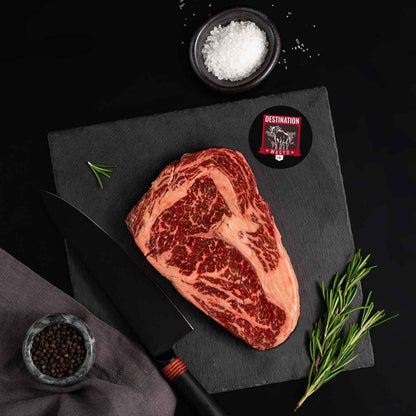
pixel 58 351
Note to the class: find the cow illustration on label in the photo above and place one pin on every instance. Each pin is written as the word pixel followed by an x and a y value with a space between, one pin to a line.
pixel 281 136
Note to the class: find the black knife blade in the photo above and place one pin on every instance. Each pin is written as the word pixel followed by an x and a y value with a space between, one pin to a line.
pixel 155 319
pixel 152 315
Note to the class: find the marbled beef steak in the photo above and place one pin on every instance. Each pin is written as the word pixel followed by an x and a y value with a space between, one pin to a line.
pixel 204 226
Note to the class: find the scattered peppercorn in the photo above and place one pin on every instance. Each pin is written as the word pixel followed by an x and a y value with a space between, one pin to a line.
pixel 58 350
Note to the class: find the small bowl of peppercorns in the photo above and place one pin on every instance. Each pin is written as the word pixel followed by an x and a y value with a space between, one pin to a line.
pixel 59 349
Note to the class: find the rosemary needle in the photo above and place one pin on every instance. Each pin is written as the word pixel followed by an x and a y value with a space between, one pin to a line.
pixel 330 348
pixel 98 170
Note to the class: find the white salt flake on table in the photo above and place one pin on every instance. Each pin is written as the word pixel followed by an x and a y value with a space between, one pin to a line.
pixel 235 51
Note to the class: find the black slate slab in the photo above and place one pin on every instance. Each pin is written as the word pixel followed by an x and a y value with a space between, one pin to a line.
pixel 307 201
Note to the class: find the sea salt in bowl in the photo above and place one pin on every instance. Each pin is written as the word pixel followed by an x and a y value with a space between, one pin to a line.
pixel 224 18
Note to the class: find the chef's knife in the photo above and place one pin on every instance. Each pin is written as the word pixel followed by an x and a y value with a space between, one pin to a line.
pixel 155 319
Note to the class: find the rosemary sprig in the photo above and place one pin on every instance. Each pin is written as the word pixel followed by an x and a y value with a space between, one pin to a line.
pixel 98 170
pixel 330 348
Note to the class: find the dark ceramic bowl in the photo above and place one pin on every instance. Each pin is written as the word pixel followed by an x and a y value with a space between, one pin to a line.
pixel 223 18
pixel 59 318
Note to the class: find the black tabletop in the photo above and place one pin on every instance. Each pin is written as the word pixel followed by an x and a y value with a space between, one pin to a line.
pixel 67 64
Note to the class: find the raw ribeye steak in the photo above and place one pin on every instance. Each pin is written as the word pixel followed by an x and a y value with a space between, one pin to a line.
pixel 204 226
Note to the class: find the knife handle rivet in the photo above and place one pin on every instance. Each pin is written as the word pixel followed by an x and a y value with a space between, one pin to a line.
pixel 174 369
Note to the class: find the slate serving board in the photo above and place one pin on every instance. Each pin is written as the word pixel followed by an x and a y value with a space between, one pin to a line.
pixel 308 203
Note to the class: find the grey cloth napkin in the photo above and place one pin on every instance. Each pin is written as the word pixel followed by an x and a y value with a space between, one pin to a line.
pixel 123 381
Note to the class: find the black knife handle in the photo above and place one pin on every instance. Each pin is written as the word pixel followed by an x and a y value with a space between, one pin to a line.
pixel 189 388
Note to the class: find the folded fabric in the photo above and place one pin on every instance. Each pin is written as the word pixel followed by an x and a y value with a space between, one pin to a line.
pixel 123 381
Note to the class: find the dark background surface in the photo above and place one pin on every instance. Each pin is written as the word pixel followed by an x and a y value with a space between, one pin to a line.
pixel 76 63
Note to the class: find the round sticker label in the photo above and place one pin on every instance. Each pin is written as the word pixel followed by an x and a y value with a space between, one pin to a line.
pixel 280 137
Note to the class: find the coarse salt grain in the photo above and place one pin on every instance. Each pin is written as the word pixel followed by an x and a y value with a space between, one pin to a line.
pixel 235 51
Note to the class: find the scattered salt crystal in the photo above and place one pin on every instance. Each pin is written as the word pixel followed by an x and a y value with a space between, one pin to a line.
pixel 235 51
